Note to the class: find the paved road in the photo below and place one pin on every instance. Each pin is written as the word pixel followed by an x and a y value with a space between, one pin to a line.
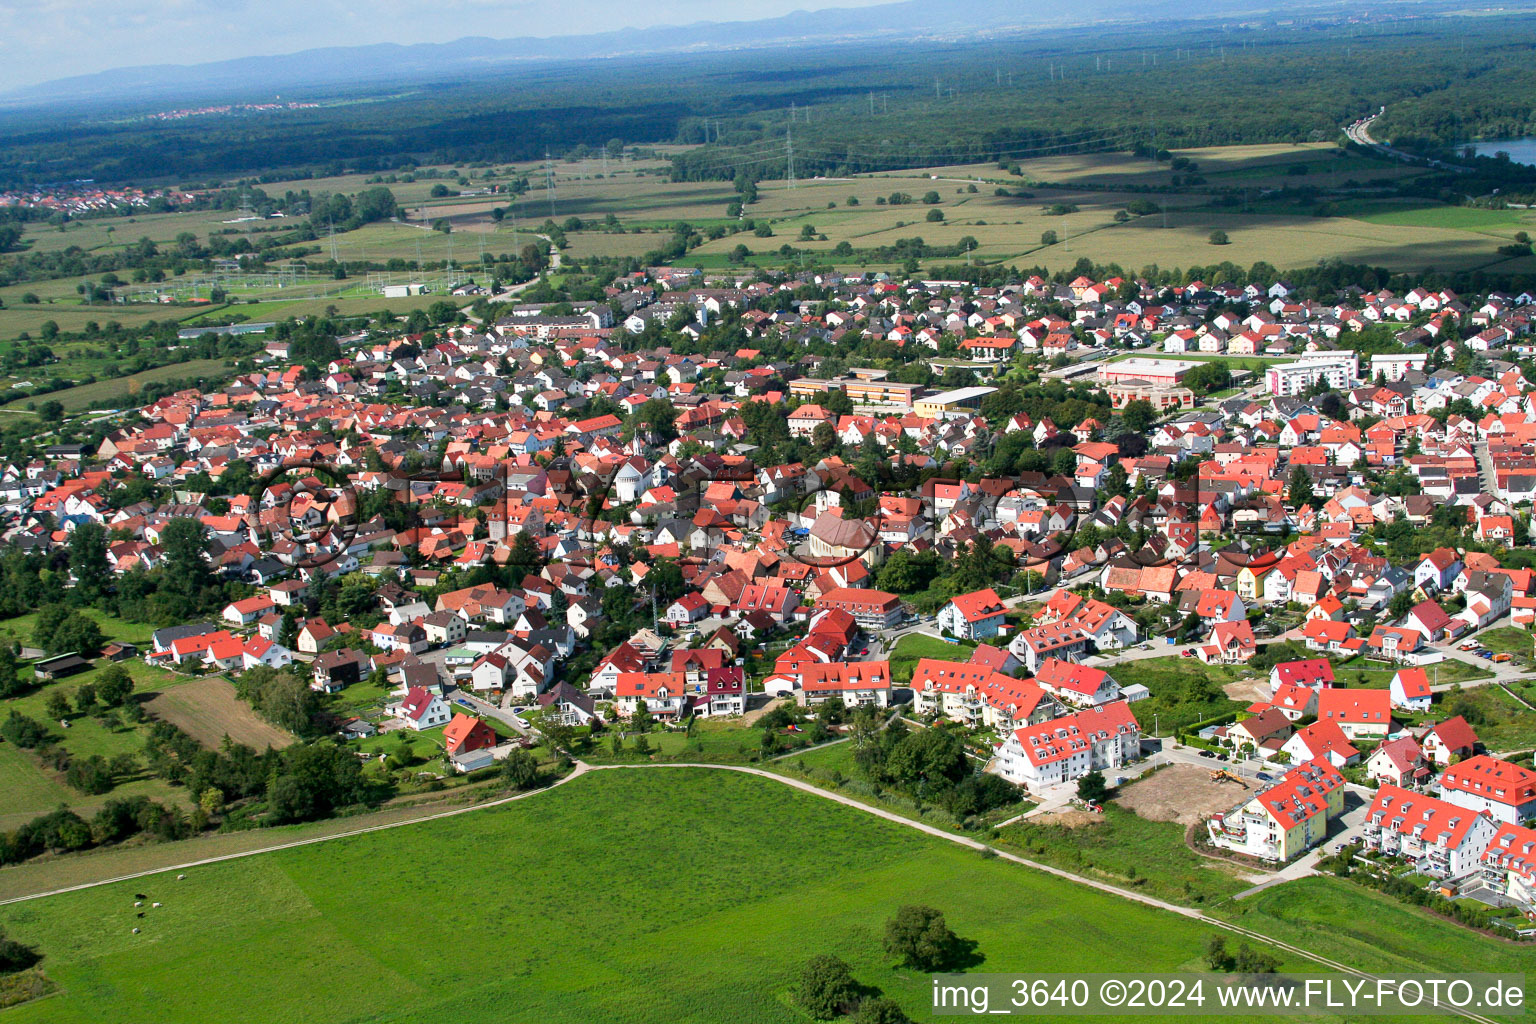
pixel 1360 133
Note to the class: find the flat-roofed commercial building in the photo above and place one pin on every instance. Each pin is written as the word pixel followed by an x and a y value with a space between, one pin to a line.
pixel 952 403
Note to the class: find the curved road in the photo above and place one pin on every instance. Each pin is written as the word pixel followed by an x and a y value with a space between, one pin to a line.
pixel 583 768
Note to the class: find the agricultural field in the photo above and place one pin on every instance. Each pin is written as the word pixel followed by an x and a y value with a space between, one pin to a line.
pixel 118 391
pixel 1008 229
pixel 297 920
pixel 208 710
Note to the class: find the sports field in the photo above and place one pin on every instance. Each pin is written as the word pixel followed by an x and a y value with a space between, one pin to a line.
pixel 594 903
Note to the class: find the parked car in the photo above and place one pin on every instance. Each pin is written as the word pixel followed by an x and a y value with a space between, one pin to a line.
pixel 1503 656
pixel 1264 777
pixel 1186 654
pixel 1207 753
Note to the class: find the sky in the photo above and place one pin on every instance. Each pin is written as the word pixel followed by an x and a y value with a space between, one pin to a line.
pixel 41 40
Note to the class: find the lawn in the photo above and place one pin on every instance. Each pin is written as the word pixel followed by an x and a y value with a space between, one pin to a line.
pixel 1375 676
pixel 1124 848
pixel 28 789
pixel 1371 931
pixel 915 646
pixel 1184 691
pixel 330 933
pixel 1500 721
pixel 719 741
pixel 112 627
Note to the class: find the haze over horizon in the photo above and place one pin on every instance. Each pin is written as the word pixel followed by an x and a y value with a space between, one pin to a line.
pixel 52 39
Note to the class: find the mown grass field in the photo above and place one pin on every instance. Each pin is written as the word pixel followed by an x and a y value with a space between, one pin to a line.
pixel 687 914
pixel 1375 676
pixel 28 788
pixel 1130 851
pixel 208 710
pixel 1365 929
pixel 916 646
pixel 118 392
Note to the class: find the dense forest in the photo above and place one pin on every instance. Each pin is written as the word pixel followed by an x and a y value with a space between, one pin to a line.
pixel 849 108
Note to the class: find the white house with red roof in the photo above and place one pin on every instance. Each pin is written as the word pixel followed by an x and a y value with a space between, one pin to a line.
pixel 664 694
pixel 1505 791
pixel 1440 839
pixel 1322 740
pixel 1281 821
pixel 1312 673
pixel 1057 640
pixel 858 683
pixel 1077 685
pixel 420 709
pixel 973 616
pixel 1447 741
pixel 248 610
pixel 1509 865
pixel 1067 748
pixel 689 608
pixel 1230 643
pixel 1410 690
pixel 1398 762
pixel 1295 702
pixel 1361 714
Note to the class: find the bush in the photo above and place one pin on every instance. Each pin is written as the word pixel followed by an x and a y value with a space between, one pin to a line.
pixel 23 731
pixel 1219 237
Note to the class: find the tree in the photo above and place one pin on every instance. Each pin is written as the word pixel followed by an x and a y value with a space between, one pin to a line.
pixel 520 770
pixel 10 675
pixel 57 704
pixel 186 572
pixel 85 698
pixel 1048 238
pixel 1092 789
pixel 77 633
pixel 1251 961
pixel 1401 604
pixel 1299 487
pixel 935 216
pixel 919 938
pixel 930 198
pixel 1219 237
pixel 1216 956
pixel 114 685
pixel 826 988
